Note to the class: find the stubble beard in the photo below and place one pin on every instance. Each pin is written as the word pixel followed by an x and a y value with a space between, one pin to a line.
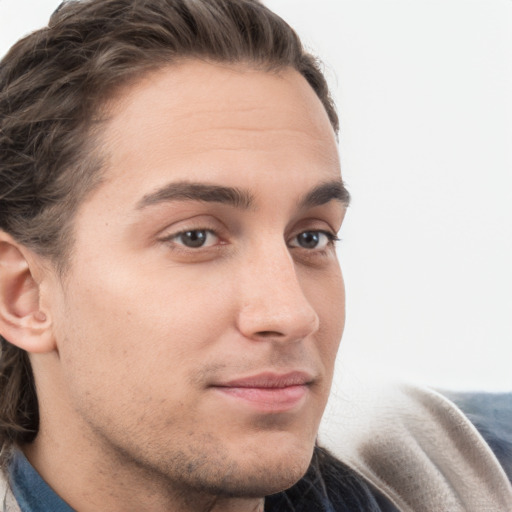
pixel 203 475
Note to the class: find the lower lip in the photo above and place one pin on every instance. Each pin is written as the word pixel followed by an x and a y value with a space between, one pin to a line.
pixel 268 399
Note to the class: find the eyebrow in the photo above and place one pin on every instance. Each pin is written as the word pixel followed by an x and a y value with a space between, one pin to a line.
pixel 186 191
pixel 324 193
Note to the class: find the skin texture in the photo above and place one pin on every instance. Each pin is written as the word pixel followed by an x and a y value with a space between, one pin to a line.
pixel 136 340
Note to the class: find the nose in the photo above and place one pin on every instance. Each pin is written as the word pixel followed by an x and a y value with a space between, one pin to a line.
pixel 273 304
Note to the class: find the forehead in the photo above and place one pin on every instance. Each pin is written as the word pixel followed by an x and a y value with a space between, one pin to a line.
pixel 202 121
pixel 193 91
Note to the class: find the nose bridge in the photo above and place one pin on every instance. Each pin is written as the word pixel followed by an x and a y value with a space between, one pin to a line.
pixel 273 302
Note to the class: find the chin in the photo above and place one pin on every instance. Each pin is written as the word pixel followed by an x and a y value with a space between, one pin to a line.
pixel 264 472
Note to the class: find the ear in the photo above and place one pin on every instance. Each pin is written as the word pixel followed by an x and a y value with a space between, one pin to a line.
pixel 22 320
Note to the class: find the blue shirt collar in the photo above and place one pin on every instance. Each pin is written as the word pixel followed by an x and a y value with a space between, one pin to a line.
pixel 32 493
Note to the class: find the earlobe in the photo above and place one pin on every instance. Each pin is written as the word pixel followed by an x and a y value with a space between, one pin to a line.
pixel 22 321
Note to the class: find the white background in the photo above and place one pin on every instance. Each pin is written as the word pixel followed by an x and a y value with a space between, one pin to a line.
pixel 424 90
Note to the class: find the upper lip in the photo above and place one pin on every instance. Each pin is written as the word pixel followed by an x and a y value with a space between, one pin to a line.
pixel 270 380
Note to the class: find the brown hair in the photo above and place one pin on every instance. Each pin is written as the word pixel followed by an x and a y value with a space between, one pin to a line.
pixel 53 84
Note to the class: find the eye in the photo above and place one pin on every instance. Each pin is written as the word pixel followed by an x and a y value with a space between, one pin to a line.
pixel 310 240
pixel 195 238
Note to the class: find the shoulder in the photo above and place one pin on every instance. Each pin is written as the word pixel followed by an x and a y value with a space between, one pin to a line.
pixel 420 450
pixel 491 414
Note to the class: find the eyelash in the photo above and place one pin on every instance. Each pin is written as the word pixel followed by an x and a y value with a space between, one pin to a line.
pixel 331 239
pixel 171 239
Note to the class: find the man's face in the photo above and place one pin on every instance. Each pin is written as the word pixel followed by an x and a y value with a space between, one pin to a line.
pixel 198 323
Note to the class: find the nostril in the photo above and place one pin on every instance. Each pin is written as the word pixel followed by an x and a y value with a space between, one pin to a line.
pixel 269 334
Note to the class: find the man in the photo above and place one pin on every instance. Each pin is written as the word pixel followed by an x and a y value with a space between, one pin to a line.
pixel 170 299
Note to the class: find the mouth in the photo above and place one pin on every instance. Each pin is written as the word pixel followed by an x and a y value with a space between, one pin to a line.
pixel 268 392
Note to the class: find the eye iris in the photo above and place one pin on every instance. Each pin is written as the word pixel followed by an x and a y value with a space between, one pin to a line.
pixel 309 239
pixel 195 238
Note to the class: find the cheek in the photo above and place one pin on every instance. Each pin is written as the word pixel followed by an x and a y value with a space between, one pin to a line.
pixel 136 326
pixel 328 299
pixel 131 356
